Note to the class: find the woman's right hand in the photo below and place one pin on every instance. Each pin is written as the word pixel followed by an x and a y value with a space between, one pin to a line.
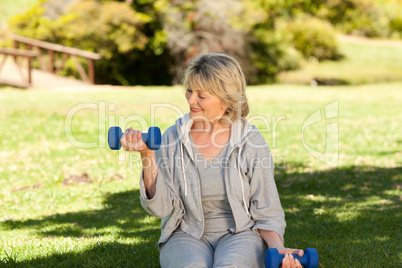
pixel 132 141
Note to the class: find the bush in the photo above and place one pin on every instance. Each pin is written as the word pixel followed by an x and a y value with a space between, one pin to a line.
pixel 372 18
pixel 271 54
pixel 150 42
pixel 32 23
pixel 395 24
pixel 364 20
pixel 393 12
pixel 198 27
pixel 110 28
pixel 314 38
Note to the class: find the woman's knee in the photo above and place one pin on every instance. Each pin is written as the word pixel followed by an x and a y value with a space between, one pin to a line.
pixel 184 251
pixel 246 249
pixel 227 261
pixel 184 262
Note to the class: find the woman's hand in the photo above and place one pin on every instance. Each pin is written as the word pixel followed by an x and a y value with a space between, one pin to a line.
pixel 289 261
pixel 132 141
pixel 273 240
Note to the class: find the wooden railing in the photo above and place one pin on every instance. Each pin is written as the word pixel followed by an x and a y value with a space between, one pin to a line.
pixel 18 53
pixel 68 52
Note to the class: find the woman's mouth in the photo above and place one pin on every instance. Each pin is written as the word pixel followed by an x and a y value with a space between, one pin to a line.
pixel 195 110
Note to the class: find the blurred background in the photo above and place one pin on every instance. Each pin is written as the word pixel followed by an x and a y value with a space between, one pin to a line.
pixel 146 42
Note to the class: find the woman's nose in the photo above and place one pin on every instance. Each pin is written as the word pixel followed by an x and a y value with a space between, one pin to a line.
pixel 191 99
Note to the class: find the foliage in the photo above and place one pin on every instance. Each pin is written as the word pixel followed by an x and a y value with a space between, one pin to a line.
pixel 110 28
pixel 271 54
pixel 10 8
pixel 278 42
pixel 314 38
pixel 31 23
pixel 162 41
pixel 372 18
pixel 392 10
pixel 150 42
pixel 198 27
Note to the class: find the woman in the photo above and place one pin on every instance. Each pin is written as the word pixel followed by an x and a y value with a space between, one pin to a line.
pixel 210 182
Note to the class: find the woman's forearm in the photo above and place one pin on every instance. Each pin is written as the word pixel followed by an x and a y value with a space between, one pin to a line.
pixel 150 169
pixel 272 239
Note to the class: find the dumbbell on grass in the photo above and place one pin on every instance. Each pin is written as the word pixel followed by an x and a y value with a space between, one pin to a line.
pixel 309 260
pixel 152 139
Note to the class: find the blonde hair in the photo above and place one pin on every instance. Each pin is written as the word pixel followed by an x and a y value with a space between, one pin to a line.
pixel 220 75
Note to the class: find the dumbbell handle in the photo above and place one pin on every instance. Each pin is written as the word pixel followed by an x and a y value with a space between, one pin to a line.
pixel 303 259
pixel 152 139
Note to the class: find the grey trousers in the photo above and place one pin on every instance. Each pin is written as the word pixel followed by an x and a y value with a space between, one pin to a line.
pixel 222 249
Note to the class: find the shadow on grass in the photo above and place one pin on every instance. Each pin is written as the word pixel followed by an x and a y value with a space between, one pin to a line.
pixel 122 217
pixel 351 215
pixel 101 255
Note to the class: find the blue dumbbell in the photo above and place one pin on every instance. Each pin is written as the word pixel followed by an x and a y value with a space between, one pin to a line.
pixel 152 139
pixel 309 260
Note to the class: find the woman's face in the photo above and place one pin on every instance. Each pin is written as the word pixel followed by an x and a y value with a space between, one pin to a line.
pixel 204 106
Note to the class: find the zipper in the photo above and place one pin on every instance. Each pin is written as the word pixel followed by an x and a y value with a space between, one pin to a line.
pixel 233 231
pixel 200 202
pixel 199 187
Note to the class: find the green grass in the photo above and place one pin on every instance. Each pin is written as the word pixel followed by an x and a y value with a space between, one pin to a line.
pixel 350 213
pixel 362 64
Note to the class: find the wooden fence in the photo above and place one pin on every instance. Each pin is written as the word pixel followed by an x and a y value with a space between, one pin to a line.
pixel 34 48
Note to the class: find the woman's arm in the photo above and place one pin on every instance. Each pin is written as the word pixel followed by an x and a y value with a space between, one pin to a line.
pixel 156 192
pixel 132 142
pixel 150 169
pixel 272 239
pixel 265 206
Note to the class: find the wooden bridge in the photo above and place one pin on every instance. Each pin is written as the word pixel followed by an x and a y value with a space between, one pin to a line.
pixel 18 71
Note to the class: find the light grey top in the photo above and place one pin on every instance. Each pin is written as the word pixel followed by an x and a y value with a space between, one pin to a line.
pixel 217 212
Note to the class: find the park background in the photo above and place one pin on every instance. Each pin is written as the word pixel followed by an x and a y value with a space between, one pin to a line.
pixel 65 203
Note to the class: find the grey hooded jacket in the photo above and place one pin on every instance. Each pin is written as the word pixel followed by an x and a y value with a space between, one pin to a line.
pixel 249 180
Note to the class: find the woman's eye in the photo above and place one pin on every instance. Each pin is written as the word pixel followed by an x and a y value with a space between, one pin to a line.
pixel 189 90
pixel 201 97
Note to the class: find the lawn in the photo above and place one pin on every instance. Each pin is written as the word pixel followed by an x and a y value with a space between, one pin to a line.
pixel 364 62
pixel 62 205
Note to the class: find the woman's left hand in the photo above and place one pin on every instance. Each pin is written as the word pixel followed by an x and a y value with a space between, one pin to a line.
pixel 274 241
pixel 289 261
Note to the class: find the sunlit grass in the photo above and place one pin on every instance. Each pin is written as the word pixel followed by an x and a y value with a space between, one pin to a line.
pixel 52 214
pixel 362 64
